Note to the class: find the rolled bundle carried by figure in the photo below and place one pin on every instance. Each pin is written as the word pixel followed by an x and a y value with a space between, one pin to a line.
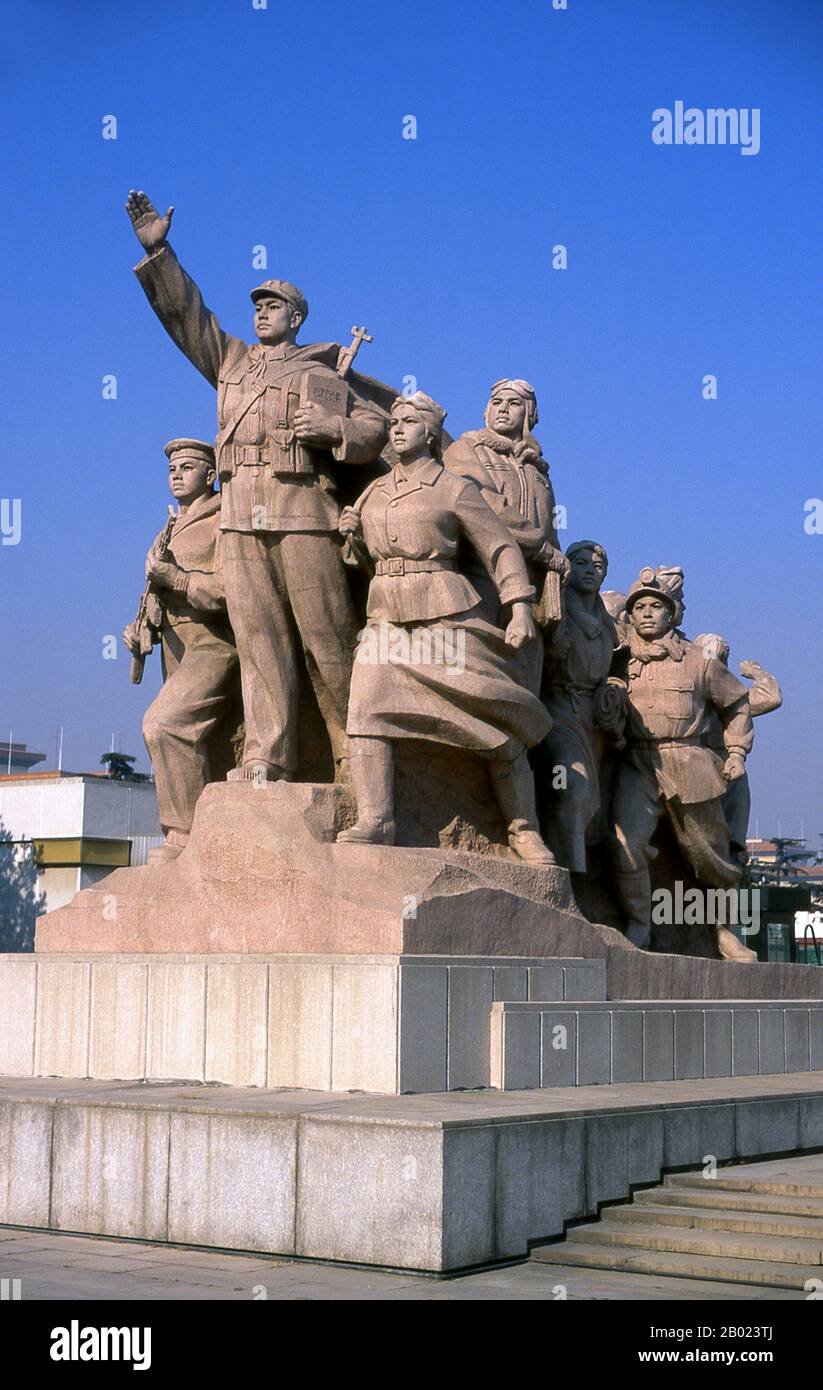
pixel 611 704
pixel 548 610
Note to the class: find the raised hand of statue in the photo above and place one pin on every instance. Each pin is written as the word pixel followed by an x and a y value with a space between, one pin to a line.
pixel 350 523
pixel 750 669
pixel 521 628
pixel 150 228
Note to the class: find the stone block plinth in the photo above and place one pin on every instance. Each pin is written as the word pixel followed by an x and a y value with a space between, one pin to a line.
pixel 387 1024
pixel 430 1183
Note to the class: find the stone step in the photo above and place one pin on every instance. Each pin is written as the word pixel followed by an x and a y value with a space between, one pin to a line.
pixel 763 1273
pixel 728 1181
pixel 538 1044
pixel 772 1249
pixel 731 1201
pixel 719 1219
pixel 492 1174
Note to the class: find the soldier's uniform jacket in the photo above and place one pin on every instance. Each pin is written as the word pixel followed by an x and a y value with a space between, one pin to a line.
pixel 673 688
pixel 413 522
pixel 515 481
pixel 197 604
pixel 271 481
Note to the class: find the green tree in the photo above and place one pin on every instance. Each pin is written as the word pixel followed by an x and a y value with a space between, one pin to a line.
pixel 20 902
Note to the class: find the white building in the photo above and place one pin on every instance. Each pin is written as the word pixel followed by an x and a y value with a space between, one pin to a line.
pixel 76 827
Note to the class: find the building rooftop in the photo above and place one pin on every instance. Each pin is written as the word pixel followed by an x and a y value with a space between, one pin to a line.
pixel 46 776
pixel 18 756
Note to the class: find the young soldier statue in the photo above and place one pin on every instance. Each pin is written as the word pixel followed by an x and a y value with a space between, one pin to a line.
pixel 187 727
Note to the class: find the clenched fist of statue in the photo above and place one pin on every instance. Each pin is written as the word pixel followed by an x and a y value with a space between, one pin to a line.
pixel 734 767
pixel 750 669
pixel 161 572
pixel 150 228
pixel 131 639
pixel 521 629
pixel 557 561
pixel 314 425
pixel 350 523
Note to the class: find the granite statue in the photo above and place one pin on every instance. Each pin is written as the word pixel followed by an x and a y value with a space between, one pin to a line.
pixel 765 696
pixel 507 463
pixel 286 419
pixel 191 727
pixel 478 636
pixel 430 665
pixel 673 687
pixel 587 710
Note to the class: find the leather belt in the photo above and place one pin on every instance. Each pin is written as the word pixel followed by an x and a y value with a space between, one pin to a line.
pixel 399 565
pixel 287 458
pixel 246 455
pixel 667 743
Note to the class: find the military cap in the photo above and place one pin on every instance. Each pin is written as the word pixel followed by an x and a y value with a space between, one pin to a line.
pixel 283 289
pixel 647 585
pixel 194 448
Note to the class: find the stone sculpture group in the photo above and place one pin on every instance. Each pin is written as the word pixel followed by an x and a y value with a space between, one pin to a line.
pixel 412 590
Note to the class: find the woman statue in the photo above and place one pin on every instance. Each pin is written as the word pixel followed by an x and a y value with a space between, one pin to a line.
pixel 428 664
pixel 588 713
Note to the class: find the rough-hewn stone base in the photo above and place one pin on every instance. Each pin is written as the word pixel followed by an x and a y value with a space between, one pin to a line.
pixel 263 874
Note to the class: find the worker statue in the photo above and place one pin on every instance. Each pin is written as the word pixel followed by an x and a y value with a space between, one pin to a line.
pixel 668 771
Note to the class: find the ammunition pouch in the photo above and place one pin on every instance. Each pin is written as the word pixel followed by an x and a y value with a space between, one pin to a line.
pixel 283 454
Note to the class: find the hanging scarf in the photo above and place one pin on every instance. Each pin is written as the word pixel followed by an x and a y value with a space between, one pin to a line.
pixel 642 652
pixel 591 624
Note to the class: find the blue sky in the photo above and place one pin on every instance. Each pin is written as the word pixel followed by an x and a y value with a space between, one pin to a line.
pixel 283 127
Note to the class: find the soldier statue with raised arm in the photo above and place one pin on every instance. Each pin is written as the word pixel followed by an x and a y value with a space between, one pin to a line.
pixel 287 414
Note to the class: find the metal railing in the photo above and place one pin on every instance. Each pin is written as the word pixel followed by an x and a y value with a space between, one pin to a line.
pixel 815 943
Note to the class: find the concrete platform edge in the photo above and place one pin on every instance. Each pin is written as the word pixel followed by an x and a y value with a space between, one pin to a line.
pixel 432 1183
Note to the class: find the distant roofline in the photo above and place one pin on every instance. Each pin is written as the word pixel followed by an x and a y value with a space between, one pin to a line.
pixel 45 776
pixel 19 753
